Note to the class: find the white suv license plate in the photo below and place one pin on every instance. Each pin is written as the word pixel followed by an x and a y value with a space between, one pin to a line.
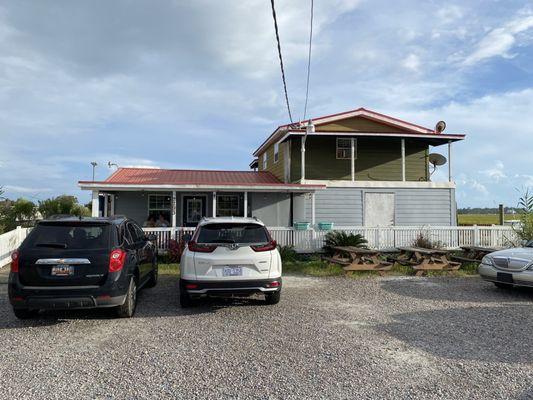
pixel 232 271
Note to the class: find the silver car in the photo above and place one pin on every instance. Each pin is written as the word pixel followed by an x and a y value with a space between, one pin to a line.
pixel 508 268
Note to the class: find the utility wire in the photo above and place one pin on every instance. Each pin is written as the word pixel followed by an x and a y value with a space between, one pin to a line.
pixel 309 61
pixel 281 60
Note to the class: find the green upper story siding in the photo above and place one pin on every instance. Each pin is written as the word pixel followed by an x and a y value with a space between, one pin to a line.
pixel 376 159
pixel 275 167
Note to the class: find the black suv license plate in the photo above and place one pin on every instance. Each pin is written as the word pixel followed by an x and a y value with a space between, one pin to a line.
pixel 504 277
pixel 62 270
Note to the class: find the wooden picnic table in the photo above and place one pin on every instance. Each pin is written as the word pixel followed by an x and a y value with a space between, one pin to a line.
pixel 423 260
pixel 474 253
pixel 358 259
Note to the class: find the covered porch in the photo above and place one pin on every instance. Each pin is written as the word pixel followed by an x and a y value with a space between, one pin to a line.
pixel 179 198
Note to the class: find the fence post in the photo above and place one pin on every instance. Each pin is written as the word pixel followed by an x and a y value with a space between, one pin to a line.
pixel 378 234
pixel 476 235
pixel 19 235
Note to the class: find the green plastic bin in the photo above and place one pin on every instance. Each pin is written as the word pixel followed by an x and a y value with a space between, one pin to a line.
pixel 301 226
pixel 325 226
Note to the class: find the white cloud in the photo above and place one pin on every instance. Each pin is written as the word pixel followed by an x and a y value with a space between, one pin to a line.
pixel 496 173
pixel 500 41
pixel 24 189
pixel 411 62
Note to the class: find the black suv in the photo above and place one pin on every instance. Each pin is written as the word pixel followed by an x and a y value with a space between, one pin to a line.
pixel 69 262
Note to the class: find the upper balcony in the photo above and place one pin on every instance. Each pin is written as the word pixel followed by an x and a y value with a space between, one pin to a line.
pixel 358 146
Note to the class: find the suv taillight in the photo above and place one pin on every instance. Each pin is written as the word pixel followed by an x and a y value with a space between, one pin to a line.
pixel 265 247
pixel 117 258
pixel 15 261
pixel 201 248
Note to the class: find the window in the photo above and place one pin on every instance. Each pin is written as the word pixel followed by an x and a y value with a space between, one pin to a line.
pixel 70 236
pixel 159 204
pixel 228 205
pixel 194 210
pixel 233 233
pixel 276 152
pixel 344 148
pixel 265 160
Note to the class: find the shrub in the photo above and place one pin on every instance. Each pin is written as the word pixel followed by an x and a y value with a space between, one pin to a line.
pixel 426 243
pixel 175 250
pixel 524 230
pixel 341 238
pixel 287 253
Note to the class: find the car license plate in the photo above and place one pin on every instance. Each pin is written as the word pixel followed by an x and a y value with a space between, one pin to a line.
pixel 504 277
pixel 232 271
pixel 62 270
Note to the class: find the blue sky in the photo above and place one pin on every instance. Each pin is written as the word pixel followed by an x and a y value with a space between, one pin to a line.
pixel 197 85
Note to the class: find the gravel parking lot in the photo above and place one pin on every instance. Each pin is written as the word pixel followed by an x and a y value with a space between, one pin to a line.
pixel 328 338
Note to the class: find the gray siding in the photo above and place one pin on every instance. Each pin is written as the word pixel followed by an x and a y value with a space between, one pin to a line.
pixel 271 208
pixel 345 206
pixel 134 205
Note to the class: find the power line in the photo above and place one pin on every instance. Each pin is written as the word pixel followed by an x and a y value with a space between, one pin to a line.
pixel 281 60
pixel 309 61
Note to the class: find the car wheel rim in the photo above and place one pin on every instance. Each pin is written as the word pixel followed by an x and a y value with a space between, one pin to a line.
pixel 133 297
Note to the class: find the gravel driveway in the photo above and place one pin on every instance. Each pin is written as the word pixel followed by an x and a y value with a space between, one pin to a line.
pixel 328 338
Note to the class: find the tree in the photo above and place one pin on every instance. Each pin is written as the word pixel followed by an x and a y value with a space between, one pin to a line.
pixel 12 213
pixel 64 204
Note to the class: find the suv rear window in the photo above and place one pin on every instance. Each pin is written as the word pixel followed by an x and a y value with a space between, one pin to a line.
pixel 70 236
pixel 233 233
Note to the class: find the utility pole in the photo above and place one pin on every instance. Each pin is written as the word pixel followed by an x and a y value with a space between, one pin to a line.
pixel 94 164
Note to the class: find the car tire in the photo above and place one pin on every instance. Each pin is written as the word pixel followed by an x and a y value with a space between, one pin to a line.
pixel 153 277
pixel 24 313
pixel 185 300
pixel 127 309
pixel 273 298
pixel 501 285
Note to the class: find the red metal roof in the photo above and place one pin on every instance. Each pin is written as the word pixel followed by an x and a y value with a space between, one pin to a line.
pixel 156 176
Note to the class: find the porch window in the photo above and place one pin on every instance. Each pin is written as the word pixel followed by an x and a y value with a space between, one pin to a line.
pixel 344 148
pixel 228 205
pixel 159 204
pixel 265 160
pixel 276 152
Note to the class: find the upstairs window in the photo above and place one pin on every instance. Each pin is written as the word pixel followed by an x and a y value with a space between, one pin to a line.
pixel 276 152
pixel 265 160
pixel 344 149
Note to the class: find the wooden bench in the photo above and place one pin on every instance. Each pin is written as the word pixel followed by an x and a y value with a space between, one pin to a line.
pixel 423 260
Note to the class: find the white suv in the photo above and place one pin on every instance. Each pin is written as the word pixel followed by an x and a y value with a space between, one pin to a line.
pixel 230 256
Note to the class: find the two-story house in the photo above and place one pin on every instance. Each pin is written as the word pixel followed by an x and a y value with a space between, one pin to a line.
pixel 357 168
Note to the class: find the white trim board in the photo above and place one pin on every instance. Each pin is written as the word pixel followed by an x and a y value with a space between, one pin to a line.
pixel 383 184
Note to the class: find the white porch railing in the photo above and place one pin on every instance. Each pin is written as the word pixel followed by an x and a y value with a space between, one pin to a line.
pixel 9 242
pixel 382 238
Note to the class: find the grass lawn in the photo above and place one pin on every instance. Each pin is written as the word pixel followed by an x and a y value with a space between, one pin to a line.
pixel 321 268
pixel 481 219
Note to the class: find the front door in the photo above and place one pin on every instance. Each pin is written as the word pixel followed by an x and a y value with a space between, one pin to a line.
pixel 379 209
pixel 193 210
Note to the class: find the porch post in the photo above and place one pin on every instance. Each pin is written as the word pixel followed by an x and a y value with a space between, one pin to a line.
pixel 245 204
pixel 95 204
pixel 352 158
pixel 450 161
pixel 313 210
pixel 112 204
pixel 106 202
pixel 214 204
pixel 173 208
pixel 403 160
pixel 302 150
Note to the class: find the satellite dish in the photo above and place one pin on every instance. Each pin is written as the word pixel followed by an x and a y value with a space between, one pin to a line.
pixel 436 160
pixel 441 125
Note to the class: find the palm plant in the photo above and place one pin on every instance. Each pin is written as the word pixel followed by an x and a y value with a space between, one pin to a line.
pixel 341 238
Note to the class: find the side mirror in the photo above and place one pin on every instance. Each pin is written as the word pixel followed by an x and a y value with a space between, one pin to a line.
pixel 151 237
pixel 187 237
pixel 523 243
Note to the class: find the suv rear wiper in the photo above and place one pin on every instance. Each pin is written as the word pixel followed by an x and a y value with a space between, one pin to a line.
pixel 56 245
